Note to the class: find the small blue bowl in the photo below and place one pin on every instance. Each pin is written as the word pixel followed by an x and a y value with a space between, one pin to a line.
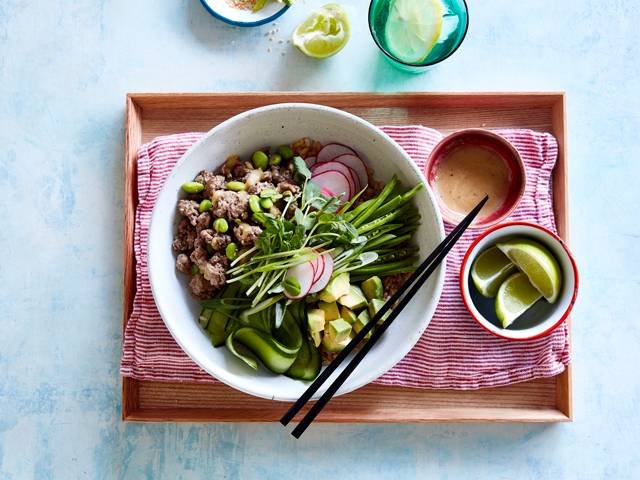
pixel 244 18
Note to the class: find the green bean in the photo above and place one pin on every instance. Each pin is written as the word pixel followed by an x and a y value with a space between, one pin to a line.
pixel 275 159
pixel 236 186
pixel 387 237
pixel 254 203
pixel 389 227
pixel 395 255
pixel 390 268
pixel 268 192
pixel 205 205
pixel 395 241
pixel 266 203
pixel 358 210
pixel 231 251
pixel 220 225
pixel 285 152
pixel 192 187
pixel 399 200
pixel 379 200
pixel 378 222
pixel 260 159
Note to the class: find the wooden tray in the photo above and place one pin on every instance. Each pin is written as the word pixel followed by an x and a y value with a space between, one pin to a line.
pixel 150 115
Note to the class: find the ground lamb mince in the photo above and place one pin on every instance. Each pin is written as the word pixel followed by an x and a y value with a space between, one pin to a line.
pixel 199 247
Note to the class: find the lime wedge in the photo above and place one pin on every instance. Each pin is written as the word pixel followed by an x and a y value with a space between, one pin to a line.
pixel 489 270
pixel 324 33
pixel 537 263
pixel 413 28
pixel 515 296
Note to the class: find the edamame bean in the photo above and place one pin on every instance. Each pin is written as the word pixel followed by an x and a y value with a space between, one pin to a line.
pixel 259 217
pixel 285 152
pixel 260 159
pixel 192 187
pixel 205 206
pixel 266 203
pixel 231 251
pixel 195 269
pixel 268 192
pixel 254 203
pixel 236 186
pixel 220 225
pixel 275 159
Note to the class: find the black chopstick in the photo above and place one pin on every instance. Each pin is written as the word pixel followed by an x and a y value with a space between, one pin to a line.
pixel 428 266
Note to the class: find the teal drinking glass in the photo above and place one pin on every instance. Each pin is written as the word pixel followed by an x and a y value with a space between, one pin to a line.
pixel 416 34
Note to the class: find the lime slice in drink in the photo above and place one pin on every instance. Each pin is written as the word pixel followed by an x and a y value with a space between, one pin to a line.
pixel 324 33
pixel 413 28
pixel 515 296
pixel 489 271
pixel 537 263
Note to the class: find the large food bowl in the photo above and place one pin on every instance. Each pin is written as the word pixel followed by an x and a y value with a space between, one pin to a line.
pixel 242 134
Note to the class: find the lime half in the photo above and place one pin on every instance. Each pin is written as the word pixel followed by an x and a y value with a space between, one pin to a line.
pixel 515 296
pixel 537 263
pixel 413 28
pixel 489 271
pixel 324 33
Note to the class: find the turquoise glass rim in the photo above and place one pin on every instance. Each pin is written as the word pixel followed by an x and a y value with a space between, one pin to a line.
pixel 418 65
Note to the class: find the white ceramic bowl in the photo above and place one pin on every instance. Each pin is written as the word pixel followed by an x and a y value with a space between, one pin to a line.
pixel 243 134
pixel 542 318
pixel 237 17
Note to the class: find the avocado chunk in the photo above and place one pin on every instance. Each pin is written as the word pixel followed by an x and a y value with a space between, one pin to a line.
pixel 315 320
pixel 372 288
pixel 339 329
pixel 355 299
pixel 330 344
pixel 317 338
pixel 347 314
pixel 330 310
pixel 362 319
pixel 374 306
pixel 338 286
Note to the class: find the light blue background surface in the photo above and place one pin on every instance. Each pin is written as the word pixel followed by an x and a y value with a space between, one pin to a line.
pixel 65 67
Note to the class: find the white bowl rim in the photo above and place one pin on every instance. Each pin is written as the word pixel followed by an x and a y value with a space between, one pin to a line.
pixel 364 378
pixel 261 19
pixel 473 252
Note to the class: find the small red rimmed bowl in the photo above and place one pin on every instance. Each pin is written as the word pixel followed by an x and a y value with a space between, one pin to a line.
pixel 543 317
pixel 504 151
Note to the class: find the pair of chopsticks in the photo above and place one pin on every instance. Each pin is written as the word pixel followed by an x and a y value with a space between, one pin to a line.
pixel 417 278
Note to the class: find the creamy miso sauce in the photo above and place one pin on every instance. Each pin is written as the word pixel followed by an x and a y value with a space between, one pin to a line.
pixel 469 172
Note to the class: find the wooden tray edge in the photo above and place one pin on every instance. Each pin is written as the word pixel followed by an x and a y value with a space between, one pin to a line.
pixel 137 101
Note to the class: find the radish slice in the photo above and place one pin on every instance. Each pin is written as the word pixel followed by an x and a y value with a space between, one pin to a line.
pixel 355 163
pixel 310 161
pixel 333 150
pixel 314 267
pixel 319 268
pixel 326 274
pixel 304 274
pixel 334 183
pixel 351 175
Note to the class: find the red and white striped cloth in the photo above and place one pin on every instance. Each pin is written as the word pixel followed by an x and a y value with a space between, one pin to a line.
pixel 453 352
